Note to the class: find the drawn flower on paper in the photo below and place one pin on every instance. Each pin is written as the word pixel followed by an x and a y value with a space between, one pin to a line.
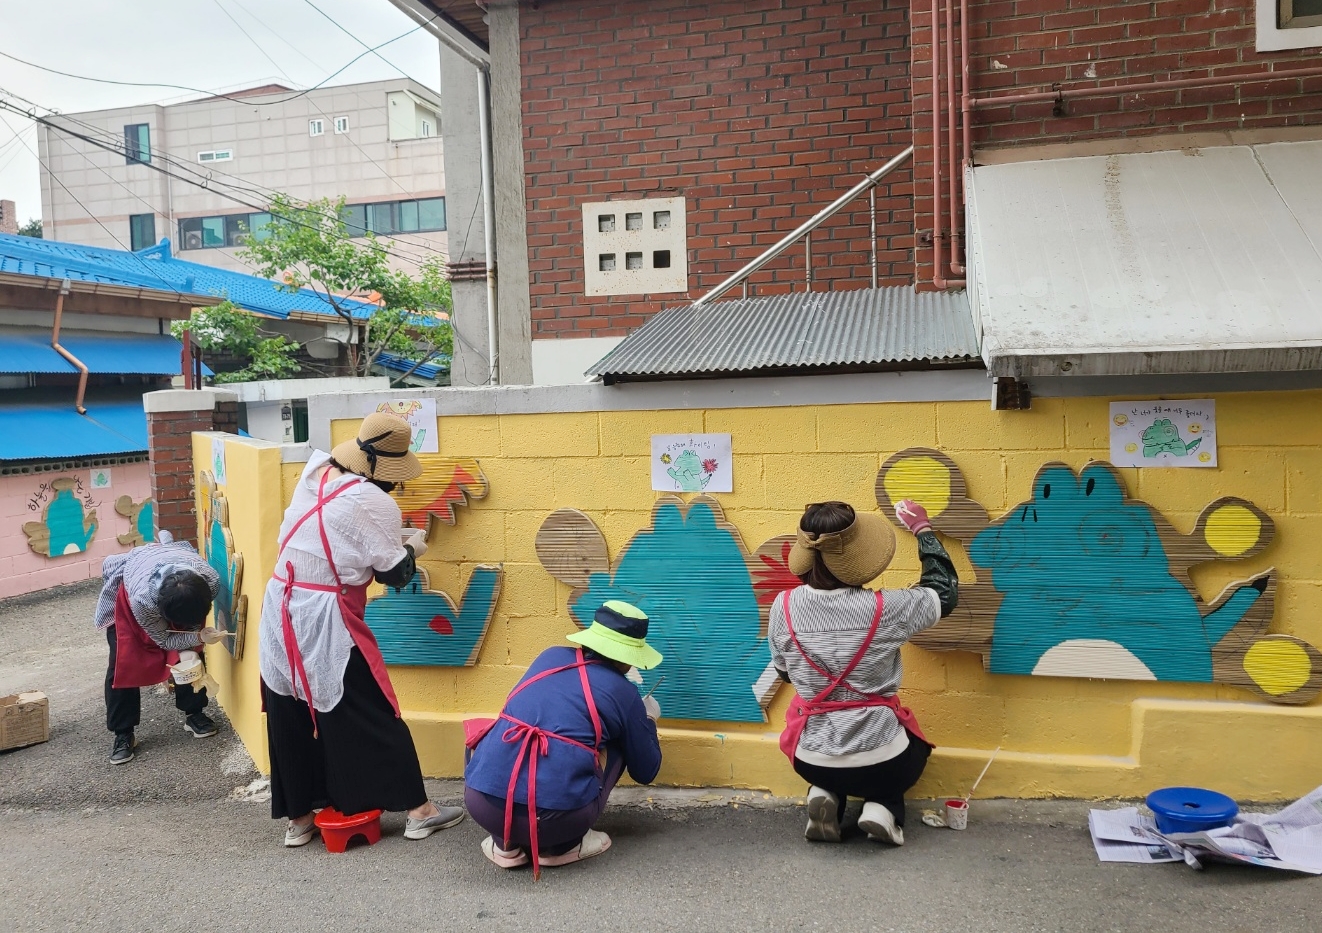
pixel 1131 447
pixel 709 466
pixel 1204 457
pixel 665 458
pixel 1121 420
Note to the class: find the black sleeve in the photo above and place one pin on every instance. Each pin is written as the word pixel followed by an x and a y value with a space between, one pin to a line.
pixel 938 572
pixel 783 675
pixel 399 575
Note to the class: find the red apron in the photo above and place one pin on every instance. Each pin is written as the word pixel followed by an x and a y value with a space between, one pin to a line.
pixel 352 601
pixel 534 743
pixel 796 717
pixel 139 661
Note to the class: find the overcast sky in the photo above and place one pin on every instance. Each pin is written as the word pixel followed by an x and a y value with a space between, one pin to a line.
pixel 186 42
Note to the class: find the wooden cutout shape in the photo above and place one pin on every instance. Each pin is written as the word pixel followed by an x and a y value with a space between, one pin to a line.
pixel 229 610
pixel 65 526
pixel 706 595
pixel 418 626
pixel 1084 581
pixel 142 521
pixel 446 483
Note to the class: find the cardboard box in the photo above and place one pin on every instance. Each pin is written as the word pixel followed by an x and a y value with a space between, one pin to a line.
pixel 24 720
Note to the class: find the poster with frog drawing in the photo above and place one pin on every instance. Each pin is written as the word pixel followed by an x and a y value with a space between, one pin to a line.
pixel 692 463
pixel 1164 433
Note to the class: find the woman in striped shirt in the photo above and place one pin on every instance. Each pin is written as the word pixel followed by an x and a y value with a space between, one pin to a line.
pixel 857 741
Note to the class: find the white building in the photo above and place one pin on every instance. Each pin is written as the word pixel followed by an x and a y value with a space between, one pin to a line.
pixel 201 172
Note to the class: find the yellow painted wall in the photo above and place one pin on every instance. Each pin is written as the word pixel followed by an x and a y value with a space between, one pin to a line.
pixel 1060 737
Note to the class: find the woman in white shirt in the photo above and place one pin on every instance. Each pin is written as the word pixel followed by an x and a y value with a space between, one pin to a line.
pixel 333 724
pixel 839 645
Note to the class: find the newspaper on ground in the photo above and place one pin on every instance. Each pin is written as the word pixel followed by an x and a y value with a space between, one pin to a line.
pixel 1290 840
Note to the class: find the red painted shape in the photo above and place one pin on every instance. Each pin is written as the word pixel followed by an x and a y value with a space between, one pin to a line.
pixel 441 625
pixel 776 578
pixel 443 505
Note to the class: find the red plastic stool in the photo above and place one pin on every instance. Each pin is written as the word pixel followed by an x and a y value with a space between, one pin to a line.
pixel 338 830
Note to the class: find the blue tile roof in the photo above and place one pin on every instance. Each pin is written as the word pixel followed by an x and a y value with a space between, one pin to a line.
pixel 402 364
pixel 145 354
pixel 57 431
pixel 156 268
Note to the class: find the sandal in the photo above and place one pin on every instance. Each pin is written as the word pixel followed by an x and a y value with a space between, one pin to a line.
pixel 502 858
pixel 594 843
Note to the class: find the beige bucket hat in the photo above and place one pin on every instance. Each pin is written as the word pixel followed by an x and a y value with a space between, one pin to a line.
pixel 855 556
pixel 381 450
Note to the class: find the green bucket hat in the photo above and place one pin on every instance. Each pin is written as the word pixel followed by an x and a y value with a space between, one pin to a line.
pixel 618 631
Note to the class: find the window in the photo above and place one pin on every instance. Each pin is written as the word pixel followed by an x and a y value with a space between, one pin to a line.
pixel 316 127
pixel 426 215
pixel 341 124
pixel 142 231
pixel 215 155
pixel 137 143
pixel 217 232
pixel 424 129
pixel 1288 24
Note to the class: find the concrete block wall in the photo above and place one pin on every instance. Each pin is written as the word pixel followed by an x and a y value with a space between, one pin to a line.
pixel 757 112
pixel 1060 736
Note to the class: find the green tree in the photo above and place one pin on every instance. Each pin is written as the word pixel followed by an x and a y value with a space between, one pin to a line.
pixel 32 228
pixel 226 328
pixel 310 246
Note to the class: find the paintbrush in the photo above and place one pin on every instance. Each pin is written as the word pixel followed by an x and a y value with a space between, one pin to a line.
pixel 654 686
pixel 981 776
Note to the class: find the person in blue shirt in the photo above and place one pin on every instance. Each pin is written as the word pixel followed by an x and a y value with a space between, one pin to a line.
pixel 567 732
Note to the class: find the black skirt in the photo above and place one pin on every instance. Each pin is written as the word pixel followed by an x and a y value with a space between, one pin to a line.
pixel 362 757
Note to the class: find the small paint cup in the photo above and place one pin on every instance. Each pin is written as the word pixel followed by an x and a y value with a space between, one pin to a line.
pixel 187 672
pixel 957 813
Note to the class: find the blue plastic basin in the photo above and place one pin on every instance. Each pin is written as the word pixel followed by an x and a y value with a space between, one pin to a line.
pixel 1190 809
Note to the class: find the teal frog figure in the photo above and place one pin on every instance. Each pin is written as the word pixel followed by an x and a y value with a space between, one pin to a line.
pixel 65 527
pixel 1163 437
pixel 1080 564
pixel 688 473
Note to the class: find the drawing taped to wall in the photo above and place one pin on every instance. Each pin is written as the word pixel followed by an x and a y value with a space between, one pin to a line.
pixel 1081 580
pixel 416 625
pixel 706 596
pixel 68 518
pixel 420 413
pixel 1164 433
pixel 229 609
pixel 142 521
pixel 692 463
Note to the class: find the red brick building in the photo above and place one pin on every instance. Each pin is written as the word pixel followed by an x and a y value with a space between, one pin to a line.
pixel 760 112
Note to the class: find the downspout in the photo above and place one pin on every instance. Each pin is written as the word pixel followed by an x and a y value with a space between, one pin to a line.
pixel 55 345
pixel 488 222
pixel 952 165
pixel 938 260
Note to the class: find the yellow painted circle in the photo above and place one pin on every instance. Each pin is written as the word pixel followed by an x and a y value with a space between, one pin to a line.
pixel 1278 666
pixel 1195 428
pixel 1231 530
pixel 1131 447
pixel 1204 457
pixel 925 480
pixel 1121 420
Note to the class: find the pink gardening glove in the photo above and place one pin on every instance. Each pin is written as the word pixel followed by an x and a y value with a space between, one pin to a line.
pixel 912 516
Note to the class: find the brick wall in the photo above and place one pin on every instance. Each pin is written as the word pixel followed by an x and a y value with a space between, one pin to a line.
pixel 1019 46
pixel 170 444
pixel 758 112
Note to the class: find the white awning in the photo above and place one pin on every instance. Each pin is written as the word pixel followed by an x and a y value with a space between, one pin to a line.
pixel 1190 261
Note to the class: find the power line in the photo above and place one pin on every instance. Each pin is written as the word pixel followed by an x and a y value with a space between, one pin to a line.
pixel 337 25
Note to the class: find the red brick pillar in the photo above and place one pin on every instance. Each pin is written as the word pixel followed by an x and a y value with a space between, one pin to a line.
pixel 172 417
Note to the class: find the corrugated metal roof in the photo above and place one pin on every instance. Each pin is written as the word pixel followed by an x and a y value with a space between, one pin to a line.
pixel 139 354
pixel 870 328
pixel 157 269
pixel 57 431
pixel 1194 260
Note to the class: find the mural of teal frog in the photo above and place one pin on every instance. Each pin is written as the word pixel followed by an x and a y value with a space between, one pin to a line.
pixel 1077 563
pixel 1082 580
pixel 688 472
pixel 1162 437
pixel 706 597
pixel 65 527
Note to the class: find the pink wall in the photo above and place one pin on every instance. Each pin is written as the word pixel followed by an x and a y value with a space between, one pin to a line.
pixel 22 570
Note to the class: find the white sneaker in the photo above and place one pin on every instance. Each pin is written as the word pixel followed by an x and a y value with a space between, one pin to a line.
pixel 823 816
pixel 300 834
pixel 879 824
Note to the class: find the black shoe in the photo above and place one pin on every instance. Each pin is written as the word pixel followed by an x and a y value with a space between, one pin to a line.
pixel 200 724
pixel 122 753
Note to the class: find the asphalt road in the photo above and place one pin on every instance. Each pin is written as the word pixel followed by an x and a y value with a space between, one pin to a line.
pixel 164 844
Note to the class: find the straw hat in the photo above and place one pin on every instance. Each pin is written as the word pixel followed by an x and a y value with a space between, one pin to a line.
pixel 619 632
pixel 381 450
pixel 855 555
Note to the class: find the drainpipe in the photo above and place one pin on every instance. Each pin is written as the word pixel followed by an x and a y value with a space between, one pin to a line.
pixel 488 221
pixel 952 169
pixel 938 234
pixel 55 345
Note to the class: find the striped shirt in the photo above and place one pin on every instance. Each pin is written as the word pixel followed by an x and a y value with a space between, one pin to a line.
pixel 142 571
pixel 831 625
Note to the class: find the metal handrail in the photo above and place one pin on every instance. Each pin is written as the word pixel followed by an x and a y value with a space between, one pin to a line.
pixel 806 228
